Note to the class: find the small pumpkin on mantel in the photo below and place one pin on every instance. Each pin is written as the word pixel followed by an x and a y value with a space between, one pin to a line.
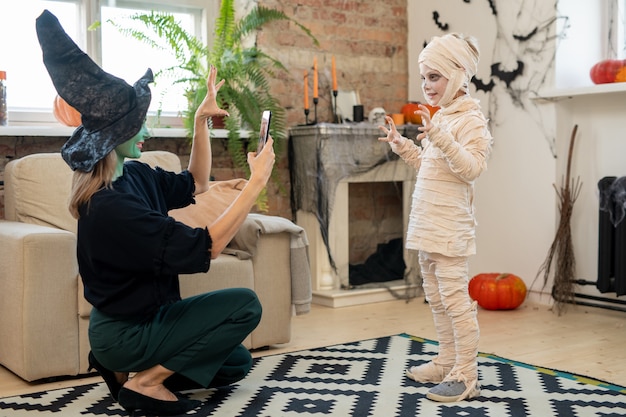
pixel 65 114
pixel 496 291
pixel 410 108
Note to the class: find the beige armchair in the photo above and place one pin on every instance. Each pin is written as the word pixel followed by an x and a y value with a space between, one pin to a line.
pixel 43 315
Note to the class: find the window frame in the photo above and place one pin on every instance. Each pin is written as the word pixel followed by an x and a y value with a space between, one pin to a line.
pixel 596 25
pixel 615 19
pixel 90 42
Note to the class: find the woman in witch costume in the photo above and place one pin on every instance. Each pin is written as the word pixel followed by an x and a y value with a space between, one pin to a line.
pixel 130 251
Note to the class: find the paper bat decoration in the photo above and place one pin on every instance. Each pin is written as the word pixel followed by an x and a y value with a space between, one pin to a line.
pixel 481 86
pixel 507 76
pixel 442 26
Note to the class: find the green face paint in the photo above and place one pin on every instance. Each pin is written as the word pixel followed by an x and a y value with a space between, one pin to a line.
pixel 131 148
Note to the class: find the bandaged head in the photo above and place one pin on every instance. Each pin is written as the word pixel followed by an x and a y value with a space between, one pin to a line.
pixel 456 58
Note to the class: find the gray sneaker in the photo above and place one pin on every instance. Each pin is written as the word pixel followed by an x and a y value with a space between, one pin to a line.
pixel 452 391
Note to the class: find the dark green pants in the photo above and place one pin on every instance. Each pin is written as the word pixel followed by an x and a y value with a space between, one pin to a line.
pixel 199 337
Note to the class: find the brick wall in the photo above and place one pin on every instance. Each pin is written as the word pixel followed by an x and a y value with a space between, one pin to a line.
pixel 368 40
pixel 278 190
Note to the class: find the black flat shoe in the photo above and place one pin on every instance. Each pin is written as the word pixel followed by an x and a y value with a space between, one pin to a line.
pixel 108 376
pixel 177 382
pixel 132 400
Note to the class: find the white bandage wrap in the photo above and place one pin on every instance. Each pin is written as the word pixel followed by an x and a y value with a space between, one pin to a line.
pixel 454 315
pixel 455 59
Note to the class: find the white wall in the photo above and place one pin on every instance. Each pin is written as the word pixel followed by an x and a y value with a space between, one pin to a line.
pixel 515 199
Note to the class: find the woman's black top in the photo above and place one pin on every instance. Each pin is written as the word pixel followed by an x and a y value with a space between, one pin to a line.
pixel 130 251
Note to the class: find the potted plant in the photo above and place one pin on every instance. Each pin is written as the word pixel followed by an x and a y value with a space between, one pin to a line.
pixel 245 69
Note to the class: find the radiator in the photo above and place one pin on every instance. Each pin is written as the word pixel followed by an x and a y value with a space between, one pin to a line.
pixel 612 236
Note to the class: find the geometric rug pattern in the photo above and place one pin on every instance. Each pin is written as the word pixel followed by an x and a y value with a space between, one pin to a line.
pixel 364 378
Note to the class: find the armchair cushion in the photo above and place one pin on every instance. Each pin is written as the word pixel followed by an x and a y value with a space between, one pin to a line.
pixel 210 204
pixel 42 195
pixel 45 181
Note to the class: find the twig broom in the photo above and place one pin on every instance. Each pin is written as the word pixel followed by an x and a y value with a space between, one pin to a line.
pixel 562 246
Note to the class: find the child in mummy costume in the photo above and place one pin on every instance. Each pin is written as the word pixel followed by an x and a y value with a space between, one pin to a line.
pixel 455 146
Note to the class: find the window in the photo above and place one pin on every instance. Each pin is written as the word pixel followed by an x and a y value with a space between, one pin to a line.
pixel 30 92
pixel 621 29
pixel 587 32
pixel 28 83
pixel 615 20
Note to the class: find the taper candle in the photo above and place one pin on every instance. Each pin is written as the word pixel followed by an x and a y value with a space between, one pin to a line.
pixel 315 95
pixel 334 73
pixel 306 90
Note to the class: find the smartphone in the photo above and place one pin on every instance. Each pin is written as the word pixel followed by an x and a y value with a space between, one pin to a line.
pixel 265 129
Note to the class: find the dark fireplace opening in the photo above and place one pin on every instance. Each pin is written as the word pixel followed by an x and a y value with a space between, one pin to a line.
pixel 375 232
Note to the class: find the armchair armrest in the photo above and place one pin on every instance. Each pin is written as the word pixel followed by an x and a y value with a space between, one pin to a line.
pixel 246 243
pixel 272 284
pixel 38 312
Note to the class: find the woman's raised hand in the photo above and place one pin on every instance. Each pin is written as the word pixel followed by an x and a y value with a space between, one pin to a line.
pixel 208 107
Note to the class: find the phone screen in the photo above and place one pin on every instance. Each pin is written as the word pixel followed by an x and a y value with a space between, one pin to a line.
pixel 265 129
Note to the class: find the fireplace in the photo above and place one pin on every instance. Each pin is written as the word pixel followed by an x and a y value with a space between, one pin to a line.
pixel 325 160
pixel 375 217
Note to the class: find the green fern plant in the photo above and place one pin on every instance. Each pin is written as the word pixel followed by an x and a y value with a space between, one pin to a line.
pixel 245 69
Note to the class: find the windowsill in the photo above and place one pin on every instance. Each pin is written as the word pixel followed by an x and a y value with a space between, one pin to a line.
pixel 59 130
pixel 581 91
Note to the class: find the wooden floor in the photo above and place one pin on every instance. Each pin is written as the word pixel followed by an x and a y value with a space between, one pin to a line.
pixel 585 340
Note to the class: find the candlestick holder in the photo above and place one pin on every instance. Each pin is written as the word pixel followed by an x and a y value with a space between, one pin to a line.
pixel 335 115
pixel 315 101
pixel 306 116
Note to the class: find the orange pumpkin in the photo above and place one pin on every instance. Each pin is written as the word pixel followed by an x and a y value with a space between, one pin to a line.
pixel 410 116
pixel 409 113
pixel 606 71
pixel 64 113
pixel 620 77
pixel 495 291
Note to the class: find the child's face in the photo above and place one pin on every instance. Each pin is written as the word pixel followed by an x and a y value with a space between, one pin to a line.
pixel 433 84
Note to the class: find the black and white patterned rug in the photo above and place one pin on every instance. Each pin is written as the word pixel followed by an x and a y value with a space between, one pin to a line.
pixel 364 378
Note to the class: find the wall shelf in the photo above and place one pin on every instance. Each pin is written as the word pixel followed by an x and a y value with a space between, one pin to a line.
pixel 590 90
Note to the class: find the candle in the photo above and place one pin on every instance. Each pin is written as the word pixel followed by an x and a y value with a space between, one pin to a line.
pixel 306 90
pixel 315 78
pixel 334 72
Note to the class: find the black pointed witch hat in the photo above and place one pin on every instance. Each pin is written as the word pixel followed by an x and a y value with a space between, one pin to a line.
pixel 112 111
